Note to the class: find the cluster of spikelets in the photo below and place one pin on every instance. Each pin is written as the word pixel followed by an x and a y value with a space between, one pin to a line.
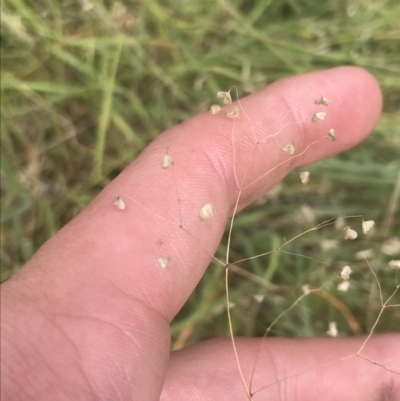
pixel 206 211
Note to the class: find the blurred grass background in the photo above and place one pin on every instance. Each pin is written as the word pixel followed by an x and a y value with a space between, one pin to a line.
pixel 86 84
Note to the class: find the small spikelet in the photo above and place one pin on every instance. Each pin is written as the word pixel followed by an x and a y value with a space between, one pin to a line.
pixel 167 161
pixel 331 135
pixel 119 203
pixel 345 273
pixel 226 96
pixel 164 261
pixel 206 211
pixel 344 286
pixel 333 331
pixel 391 246
pixel 290 148
pixel 304 177
pixel 394 264
pixel 306 289
pixel 367 225
pixel 215 109
pixel 234 113
pixel 364 254
pixel 349 233
pixel 258 298
pixel 324 101
pixel 318 116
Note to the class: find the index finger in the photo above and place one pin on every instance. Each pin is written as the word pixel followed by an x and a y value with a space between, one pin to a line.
pixel 211 154
pixel 140 264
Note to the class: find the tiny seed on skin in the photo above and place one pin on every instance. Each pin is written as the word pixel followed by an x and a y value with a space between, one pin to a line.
pixel 167 161
pixel 226 96
pixel 349 233
pixel 333 331
pixel 345 273
pixel 119 203
pixel 215 109
pixel 164 261
pixel 234 113
pixel 331 135
pixel 290 148
pixel 367 225
pixel 206 211
pixel 318 116
pixel 305 177
pixel 324 101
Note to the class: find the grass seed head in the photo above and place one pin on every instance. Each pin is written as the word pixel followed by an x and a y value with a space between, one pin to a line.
pixel 345 273
pixel 349 233
pixel 391 246
pixel 290 148
pixel 394 264
pixel 258 298
pixel 324 101
pixel 234 113
pixel 206 211
pixel 167 161
pixel 305 177
pixel 306 289
pixel 119 203
pixel 344 286
pixel 331 135
pixel 367 225
pixel 365 253
pixel 318 116
pixel 332 331
pixel 215 109
pixel 164 261
pixel 226 96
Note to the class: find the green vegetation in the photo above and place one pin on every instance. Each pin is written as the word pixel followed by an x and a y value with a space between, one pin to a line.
pixel 87 84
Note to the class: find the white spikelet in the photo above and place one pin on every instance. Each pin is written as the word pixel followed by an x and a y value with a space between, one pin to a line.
pixel 290 148
pixel 318 116
pixel 349 233
pixel 234 113
pixel 367 225
pixel 119 203
pixel 394 264
pixel 391 246
pixel 364 254
pixel 331 135
pixel 345 273
pixel 306 289
pixel 215 109
pixel 258 297
pixel 344 286
pixel 206 211
pixel 333 331
pixel 226 96
pixel 167 161
pixel 305 177
pixel 324 101
pixel 164 261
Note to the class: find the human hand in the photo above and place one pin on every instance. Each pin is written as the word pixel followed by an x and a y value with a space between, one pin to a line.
pixel 88 317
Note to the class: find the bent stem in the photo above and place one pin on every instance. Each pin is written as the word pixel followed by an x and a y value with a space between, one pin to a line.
pixel 249 396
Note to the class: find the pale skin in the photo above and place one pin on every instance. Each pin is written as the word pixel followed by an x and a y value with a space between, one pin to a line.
pixel 88 317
